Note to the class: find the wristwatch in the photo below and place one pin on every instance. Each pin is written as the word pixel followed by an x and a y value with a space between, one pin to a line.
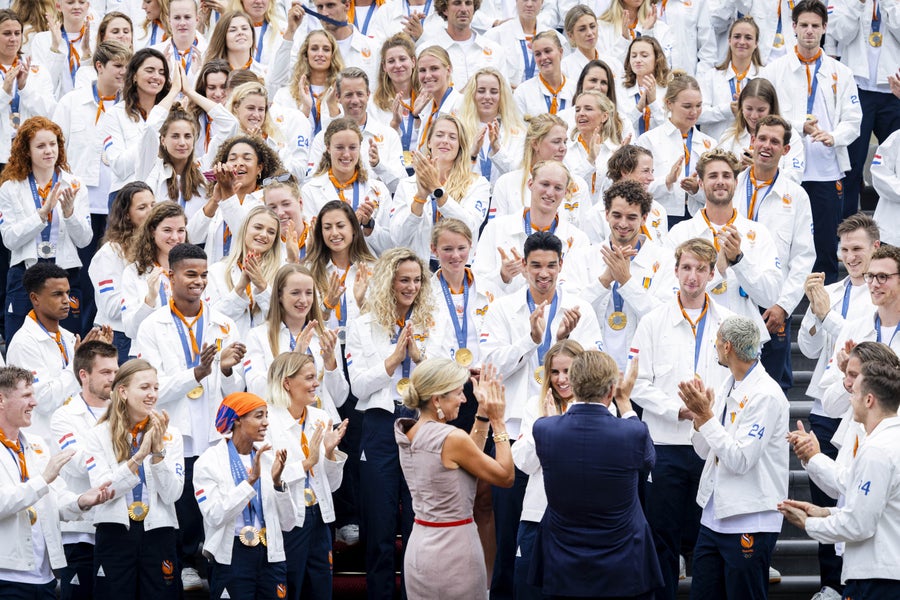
pixel 160 454
pixel 438 193
pixel 736 260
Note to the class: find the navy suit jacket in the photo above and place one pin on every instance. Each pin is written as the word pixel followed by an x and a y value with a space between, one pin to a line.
pixel 594 539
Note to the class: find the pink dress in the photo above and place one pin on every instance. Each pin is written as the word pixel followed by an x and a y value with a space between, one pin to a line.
pixel 441 563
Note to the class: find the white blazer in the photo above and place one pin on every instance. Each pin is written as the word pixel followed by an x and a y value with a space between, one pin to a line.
pixel 719 89
pixel 164 480
pixel 695 43
pixel 20 224
pixel 533 98
pixel 221 502
pixel 850 24
pixel 234 305
pixel 886 181
pixel 36 99
pixel 285 432
pixel 124 136
pixel 210 230
pixel 76 115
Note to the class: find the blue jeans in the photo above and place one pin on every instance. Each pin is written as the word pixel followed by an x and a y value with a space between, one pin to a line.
pixel 732 566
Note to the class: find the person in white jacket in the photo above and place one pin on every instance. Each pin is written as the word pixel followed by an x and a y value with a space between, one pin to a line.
pixel 192 380
pixel 95 364
pixel 885 172
pixel 135 447
pixel 295 324
pixel 314 473
pixel 33 499
pixel 819 97
pixel 245 503
pixel 869 521
pixel 239 284
pixel 44 216
pixel 740 430
pixel 551 91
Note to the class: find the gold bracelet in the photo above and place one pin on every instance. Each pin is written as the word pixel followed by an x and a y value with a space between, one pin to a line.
pixel 501 437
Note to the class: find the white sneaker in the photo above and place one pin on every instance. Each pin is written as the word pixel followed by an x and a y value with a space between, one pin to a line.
pixel 826 593
pixel 682 568
pixel 190 580
pixel 348 534
pixel 774 575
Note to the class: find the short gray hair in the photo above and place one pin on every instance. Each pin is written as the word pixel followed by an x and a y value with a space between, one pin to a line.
pixel 351 73
pixel 743 335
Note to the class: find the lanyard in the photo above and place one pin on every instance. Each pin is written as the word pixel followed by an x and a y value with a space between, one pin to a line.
pixel 17 451
pixel 192 359
pixel 812 79
pixel 57 337
pixel 407 363
pixel 713 229
pixel 876 18
pixel 260 40
pixel 316 110
pixel 753 189
pixel 530 228
pixel 293 344
pixel 618 300
pixel 845 306
pixel 644 122
pixel 40 196
pixel 154 31
pixel 137 435
pixel 73 56
pixel 687 141
pixel 185 57
pixel 424 10
pixel 734 385
pixel 100 100
pixel 548 332
pixel 341 312
pixel 484 161
pixel 365 28
pixel 406 130
pixel 528 58
pixel 304 443
pixel 461 329
pixel 696 328
pixel 878 330
pixel 324 18
pixel 239 474
pixel 436 109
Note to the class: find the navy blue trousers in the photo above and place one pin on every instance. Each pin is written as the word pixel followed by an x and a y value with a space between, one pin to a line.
pixel 830 565
pixel 732 566
pixel 826 198
pixel 11 590
pixel 76 579
pixel 308 553
pixel 872 589
pixel 131 563
pixel 250 575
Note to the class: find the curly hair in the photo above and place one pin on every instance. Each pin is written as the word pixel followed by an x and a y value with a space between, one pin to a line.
pixel 380 299
pixel 625 160
pixel 129 88
pixel 143 251
pixel 276 313
pixel 19 165
pixel 119 228
pixel 301 67
pixel 661 70
pixel 117 414
pixel 267 158
pixel 319 254
pixel 385 90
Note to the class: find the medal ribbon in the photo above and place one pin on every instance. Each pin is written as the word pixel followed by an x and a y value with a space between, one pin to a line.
pixel 239 474
pixel 39 195
pixel 17 451
pixel 157 26
pixel 713 229
pixel 316 109
pixel 739 76
pixel 365 27
pixel 185 57
pixel 644 123
pixel 545 344
pixel 876 17
pixel 461 329
pixel 137 435
pixel 752 210
pixel 57 337
pixel 845 306
pixel 812 81
pixel 696 328
pixel 435 109
pixel 686 140
pixel 618 300
pixel 260 40
pixel 878 330
pixel 341 309
pixel 192 351
pixel 304 442
pixel 407 362
pixel 527 57
pixel 406 131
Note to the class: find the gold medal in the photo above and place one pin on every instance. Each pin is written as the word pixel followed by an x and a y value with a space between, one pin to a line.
pixel 721 288
pixel 137 511
pixel 875 39
pixel 779 40
pixel 539 375
pixel 464 357
pixel 407 158
pixel 309 497
pixel 403 385
pixel 196 392
pixel 32 514
pixel 262 537
pixel 618 320
pixel 249 536
pixel 810 117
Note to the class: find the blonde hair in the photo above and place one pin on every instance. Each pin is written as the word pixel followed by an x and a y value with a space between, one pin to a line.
pixel 539 127
pixel 276 313
pixel 384 89
pixel 252 88
pixel 461 176
pixel 612 128
pixel 301 67
pixel 562 348
pixel 699 247
pixel 451 225
pixel 680 82
pixel 269 262
pixel 433 377
pixel 615 14
pixel 380 298
pixel 271 16
pixel 442 57
pixel 117 413
pixel 286 364
pixel 511 122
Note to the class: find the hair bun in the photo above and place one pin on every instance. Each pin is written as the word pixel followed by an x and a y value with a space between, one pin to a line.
pixel 678 73
pixel 410 397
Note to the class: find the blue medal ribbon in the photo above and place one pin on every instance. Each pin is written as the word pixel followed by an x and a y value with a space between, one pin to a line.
pixel 618 300
pixel 189 358
pixel 425 9
pixel 239 474
pixel 528 227
pixel 38 203
pixel 484 162
pixel 845 306
pixel 755 215
pixel 260 41
pixel 324 18
pixel 461 329
pixel 811 99
pixel 365 28
pixel 548 332
pixel 528 58
pixel 137 492
pixel 406 365
pixel 878 330
pixel 689 153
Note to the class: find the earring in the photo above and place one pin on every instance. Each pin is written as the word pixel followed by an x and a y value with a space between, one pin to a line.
pixel 440 413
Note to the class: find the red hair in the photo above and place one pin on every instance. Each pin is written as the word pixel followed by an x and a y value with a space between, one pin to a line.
pixel 19 165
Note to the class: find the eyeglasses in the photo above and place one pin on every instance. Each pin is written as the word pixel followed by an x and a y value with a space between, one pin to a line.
pixel 879 277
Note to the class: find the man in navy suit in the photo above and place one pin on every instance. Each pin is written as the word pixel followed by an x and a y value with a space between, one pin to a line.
pixel 594 540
